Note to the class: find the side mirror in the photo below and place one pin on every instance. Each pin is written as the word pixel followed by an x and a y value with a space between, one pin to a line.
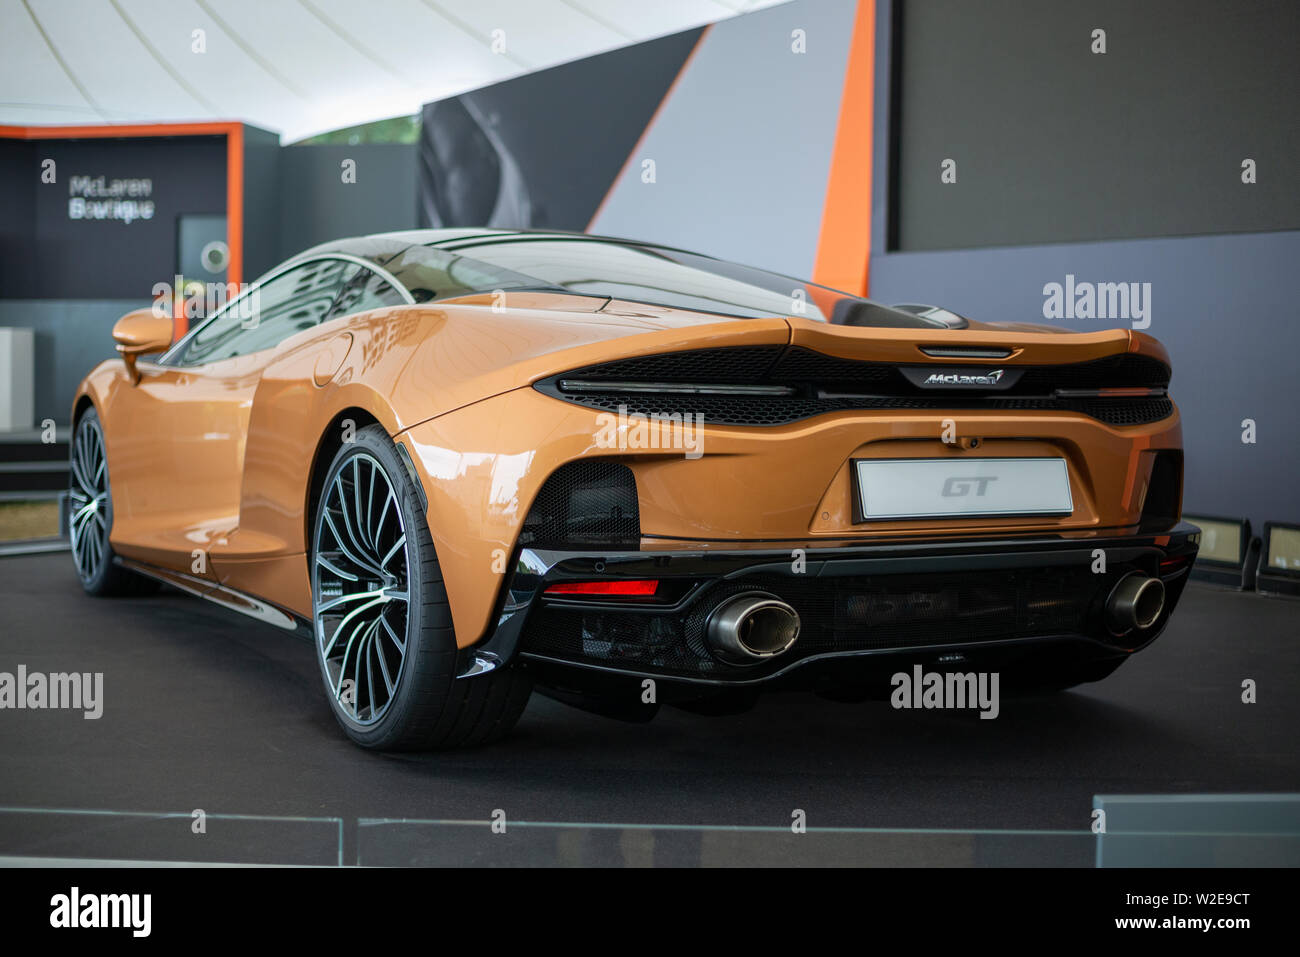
pixel 140 333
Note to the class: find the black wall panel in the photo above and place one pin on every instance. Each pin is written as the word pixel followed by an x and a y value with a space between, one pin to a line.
pixel 79 241
pixel 1056 143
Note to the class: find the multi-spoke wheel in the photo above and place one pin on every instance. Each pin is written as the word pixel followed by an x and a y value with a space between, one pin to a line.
pixel 384 637
pixel 360 593
pixel 90 515
pixel 88 498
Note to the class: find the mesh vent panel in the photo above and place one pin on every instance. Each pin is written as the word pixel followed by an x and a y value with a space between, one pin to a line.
pixel 779 410
pixel 884 386
pixel 799 364
pixel 584 503
pixel 744 364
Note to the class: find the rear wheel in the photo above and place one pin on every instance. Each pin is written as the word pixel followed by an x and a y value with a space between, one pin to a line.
pixel 90 516
pixel 384 636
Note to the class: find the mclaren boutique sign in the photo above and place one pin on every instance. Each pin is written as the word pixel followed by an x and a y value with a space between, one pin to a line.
pixel 109 224
pixel 120 200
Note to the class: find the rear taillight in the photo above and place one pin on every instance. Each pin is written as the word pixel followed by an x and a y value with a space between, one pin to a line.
pixel 631 588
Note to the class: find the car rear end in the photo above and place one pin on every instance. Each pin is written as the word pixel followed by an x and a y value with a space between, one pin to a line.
pixel 822 511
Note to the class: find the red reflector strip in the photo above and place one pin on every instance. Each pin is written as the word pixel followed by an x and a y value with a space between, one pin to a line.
pixel 1177 561
pixel 643 588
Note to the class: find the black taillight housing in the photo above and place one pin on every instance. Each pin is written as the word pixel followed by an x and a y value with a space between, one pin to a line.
pixel 589 503
pixel 1164 499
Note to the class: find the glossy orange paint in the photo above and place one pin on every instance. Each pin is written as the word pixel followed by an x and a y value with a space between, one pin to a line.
pixel 211 467
pixel 140 333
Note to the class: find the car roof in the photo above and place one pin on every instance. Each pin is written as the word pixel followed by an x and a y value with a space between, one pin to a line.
pixel 378 246
pixel 379 249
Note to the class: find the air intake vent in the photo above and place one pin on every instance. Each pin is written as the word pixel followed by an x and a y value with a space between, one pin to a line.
pixel 590 503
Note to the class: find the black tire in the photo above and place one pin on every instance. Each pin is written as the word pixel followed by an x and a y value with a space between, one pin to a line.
pixel 427 707
pixel 91 525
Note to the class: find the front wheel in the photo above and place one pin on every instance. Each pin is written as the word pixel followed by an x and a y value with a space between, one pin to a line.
pixel 385 641
pixel 90 516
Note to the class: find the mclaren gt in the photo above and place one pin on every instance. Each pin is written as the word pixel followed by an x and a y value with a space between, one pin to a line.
pixel 470 463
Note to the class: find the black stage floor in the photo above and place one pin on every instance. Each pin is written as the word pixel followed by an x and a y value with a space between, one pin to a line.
pixel 204 709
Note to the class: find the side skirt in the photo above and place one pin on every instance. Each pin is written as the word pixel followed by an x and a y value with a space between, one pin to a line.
pixel 227 598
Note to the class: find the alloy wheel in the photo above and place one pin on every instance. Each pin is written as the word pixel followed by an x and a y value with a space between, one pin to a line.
pixel 88 495
pixel 360 588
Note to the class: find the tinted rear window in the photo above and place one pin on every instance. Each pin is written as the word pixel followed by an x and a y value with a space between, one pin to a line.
pixel 683 280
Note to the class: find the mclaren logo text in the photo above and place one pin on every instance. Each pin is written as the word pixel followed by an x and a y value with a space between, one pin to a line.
pixel 985 378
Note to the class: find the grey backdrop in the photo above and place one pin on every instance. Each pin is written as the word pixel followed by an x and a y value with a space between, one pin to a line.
pixel 743 145
pixel 1222 304
pixel 315 205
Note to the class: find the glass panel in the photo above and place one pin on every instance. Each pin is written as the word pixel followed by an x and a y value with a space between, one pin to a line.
pixel 683 280
pixel 40 836
pixel 367 290
pixel 404 843
pixel 429 273
pixel 1199 830
pixel 270 313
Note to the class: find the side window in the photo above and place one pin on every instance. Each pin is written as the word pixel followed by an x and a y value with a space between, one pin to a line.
pixel 367 290
pixel 429 274
pixel 293 301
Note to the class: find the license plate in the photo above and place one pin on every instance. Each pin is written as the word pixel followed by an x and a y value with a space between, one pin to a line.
pixel 952 488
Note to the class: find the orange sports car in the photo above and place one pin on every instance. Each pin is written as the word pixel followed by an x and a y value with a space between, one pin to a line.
pixel 466 463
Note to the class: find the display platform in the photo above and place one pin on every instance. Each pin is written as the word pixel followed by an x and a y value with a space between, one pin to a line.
pixel 204 709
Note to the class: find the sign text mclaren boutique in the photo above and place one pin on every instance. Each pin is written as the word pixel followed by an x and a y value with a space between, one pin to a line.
pixel 114 200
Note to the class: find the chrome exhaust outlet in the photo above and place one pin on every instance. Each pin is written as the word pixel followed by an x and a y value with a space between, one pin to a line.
pixel 748 628
pixel 1135 602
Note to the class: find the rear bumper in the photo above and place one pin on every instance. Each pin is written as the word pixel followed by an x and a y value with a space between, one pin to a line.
pixel 993 600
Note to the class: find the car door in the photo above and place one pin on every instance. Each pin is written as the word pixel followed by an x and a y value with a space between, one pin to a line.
pixel 181 432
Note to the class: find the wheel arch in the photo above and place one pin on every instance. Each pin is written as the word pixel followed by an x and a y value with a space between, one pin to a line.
pixel 97 389
pixel 327 446
pixel 79 407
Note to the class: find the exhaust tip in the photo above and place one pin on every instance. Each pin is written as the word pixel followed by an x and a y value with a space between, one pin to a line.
pixel 749 628
pixel 1135 602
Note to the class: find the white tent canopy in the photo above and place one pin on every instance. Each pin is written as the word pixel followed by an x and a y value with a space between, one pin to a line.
pixel 298 67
